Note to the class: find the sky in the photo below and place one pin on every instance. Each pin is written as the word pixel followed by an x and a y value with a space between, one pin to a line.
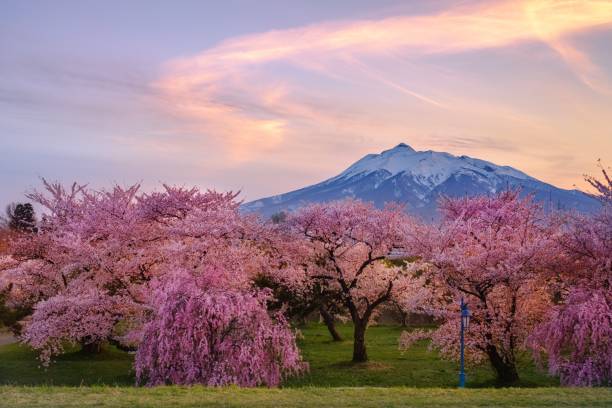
pixel 269 96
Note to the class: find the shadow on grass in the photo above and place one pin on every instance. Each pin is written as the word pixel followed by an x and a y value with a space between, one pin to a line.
pixel 370 365
pixel 20 366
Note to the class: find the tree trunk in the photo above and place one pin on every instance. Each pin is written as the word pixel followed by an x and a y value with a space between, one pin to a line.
pixel 506 371
pixel 360 354
pixel 92 348
pixel 328 318
pixel 301 321
pixel 403 315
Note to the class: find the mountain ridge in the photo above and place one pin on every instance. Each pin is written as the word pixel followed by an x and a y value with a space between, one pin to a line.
pixel 417 179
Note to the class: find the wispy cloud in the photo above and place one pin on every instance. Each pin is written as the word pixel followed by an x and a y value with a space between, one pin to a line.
pixel 466 144
pixel 248 92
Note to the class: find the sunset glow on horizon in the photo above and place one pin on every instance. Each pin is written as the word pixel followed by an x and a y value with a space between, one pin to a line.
pixel 274 97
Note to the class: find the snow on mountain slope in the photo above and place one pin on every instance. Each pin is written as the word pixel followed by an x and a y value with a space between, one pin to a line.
pixel 428 168
pixel 418 179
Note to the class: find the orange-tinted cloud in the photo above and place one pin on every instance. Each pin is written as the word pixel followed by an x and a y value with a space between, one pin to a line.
pixel 254 92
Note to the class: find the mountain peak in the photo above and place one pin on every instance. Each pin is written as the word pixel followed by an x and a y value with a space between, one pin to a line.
pixel 402 147
pixel 429 168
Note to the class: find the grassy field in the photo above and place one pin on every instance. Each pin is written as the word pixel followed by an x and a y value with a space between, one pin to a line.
pixel 301 397
pixel 415 378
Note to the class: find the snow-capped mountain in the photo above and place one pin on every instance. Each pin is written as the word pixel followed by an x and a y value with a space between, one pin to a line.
pixel 418 179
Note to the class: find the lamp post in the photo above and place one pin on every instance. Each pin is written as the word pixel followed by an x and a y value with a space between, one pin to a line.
pixel 465 322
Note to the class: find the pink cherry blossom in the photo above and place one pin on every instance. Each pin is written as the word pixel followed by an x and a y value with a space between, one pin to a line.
pixel 490 251
pixel 576 337
pixel 93 272
pixel 215 337
pixel 346 244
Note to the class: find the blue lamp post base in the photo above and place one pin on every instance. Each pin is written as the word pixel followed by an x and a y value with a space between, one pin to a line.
pixel 465 321
pixel 461 380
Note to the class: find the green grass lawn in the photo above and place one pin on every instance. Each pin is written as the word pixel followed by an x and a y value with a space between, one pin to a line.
pixel 373 397
pixel 414 378
pixel 330 364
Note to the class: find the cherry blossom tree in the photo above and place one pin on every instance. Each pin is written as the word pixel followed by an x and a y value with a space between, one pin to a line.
pixel 490 251
pixel 347 243
pixel 104 251
pixel 87 319
pixel 603 186
pixel 215 337
pixel 81 255
pixel 576 337
pixel 293 293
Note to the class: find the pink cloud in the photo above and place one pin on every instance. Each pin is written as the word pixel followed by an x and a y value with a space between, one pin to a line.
pixel 262 93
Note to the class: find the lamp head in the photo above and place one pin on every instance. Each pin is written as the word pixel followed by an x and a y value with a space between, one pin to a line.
pixel 465 314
